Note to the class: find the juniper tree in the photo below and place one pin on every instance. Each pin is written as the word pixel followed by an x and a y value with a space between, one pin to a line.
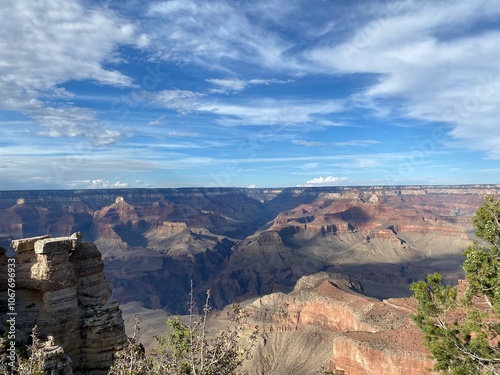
pixel 463 332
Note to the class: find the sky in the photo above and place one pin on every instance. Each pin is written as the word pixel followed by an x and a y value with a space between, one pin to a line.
pixel 262 93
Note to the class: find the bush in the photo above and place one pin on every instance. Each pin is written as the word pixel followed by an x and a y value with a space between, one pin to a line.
pixel 471 343
pixel 187 350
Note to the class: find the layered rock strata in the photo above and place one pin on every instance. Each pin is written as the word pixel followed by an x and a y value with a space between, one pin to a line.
pixel 347 331
pixel 154 241
pixel 60 288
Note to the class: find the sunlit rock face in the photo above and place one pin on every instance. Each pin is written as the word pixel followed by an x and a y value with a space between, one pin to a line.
pixel 242 244
pixel 250 242
pixel 61 289
pixel 324 321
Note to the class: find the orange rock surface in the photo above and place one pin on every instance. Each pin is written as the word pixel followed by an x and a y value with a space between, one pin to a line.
pixel 365 336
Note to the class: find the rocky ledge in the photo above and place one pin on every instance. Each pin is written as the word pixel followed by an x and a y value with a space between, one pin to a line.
pixel 61 289
pixel 326 321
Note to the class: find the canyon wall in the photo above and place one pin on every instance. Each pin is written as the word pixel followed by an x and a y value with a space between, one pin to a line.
pixel 61 289
pixel 246 242
pixel 324 321
pixel 242 244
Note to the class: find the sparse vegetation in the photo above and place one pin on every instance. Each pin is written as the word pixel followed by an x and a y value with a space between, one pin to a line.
pixel 187 350
pixel 463 332
pixel 324 371
pixel 29 362
pixel 132 358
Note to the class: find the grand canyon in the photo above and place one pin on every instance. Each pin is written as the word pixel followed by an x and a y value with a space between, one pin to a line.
pixel 324 272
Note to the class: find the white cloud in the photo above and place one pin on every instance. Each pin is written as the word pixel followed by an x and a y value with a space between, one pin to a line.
pixel 234 84
pixel 256 112
pixel 324 180
pixel 357 143
pixel 275 112
pixel 230 84
pixel 175 133
pixel 47 43
pixel 211 33
pixel 302 142
pixel 363 143
pixel 252 186
pixel 96 184
pixel 182 101
pixel 158 121
pixel 439 60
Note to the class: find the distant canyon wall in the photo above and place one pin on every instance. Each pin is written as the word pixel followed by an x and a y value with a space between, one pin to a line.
pixel 246 242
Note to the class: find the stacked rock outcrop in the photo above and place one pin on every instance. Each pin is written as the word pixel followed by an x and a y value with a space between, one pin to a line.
pixel 325 321
pixel 61 289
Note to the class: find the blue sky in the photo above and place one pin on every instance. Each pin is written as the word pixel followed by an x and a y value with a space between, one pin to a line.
pixel 248 93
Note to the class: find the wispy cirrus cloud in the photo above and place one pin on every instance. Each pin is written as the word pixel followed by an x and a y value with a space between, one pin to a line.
pixel 437 62
pixel 302 142
pixel 211 33
pixel 276 112
pixel 158 121
pixel 363 143
pixel 287 112
pixel 42 47
pixel 175 133
pixel 182 101
pixel 234 84
pixel 357 142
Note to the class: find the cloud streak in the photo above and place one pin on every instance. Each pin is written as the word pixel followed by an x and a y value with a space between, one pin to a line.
pixel 234 84
pixel 48 43
pixel 210 33
pixel 442 75
pixel 323 181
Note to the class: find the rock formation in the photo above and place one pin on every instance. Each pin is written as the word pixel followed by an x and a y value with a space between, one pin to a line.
pixel 60 288
pixel 324 321
pixel 247 242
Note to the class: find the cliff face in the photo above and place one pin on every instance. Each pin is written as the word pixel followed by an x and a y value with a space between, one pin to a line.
pixel 60 288
pixel 369 215
pixel 378 238
pixel 242 242
pixel 348 331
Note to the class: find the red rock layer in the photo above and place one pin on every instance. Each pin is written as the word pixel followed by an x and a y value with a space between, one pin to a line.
pixel 367 336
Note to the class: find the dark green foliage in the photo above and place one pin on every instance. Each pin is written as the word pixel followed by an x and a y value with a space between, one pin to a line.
pixel 463 334
pixel 487 221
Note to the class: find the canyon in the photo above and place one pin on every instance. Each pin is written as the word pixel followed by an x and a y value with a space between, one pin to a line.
pixel 325 253
pixel 326 321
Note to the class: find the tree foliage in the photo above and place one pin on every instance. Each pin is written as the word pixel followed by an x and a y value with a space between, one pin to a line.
pixel 187 349
pixel 132 358
pixel 31 360
pixel 462 332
